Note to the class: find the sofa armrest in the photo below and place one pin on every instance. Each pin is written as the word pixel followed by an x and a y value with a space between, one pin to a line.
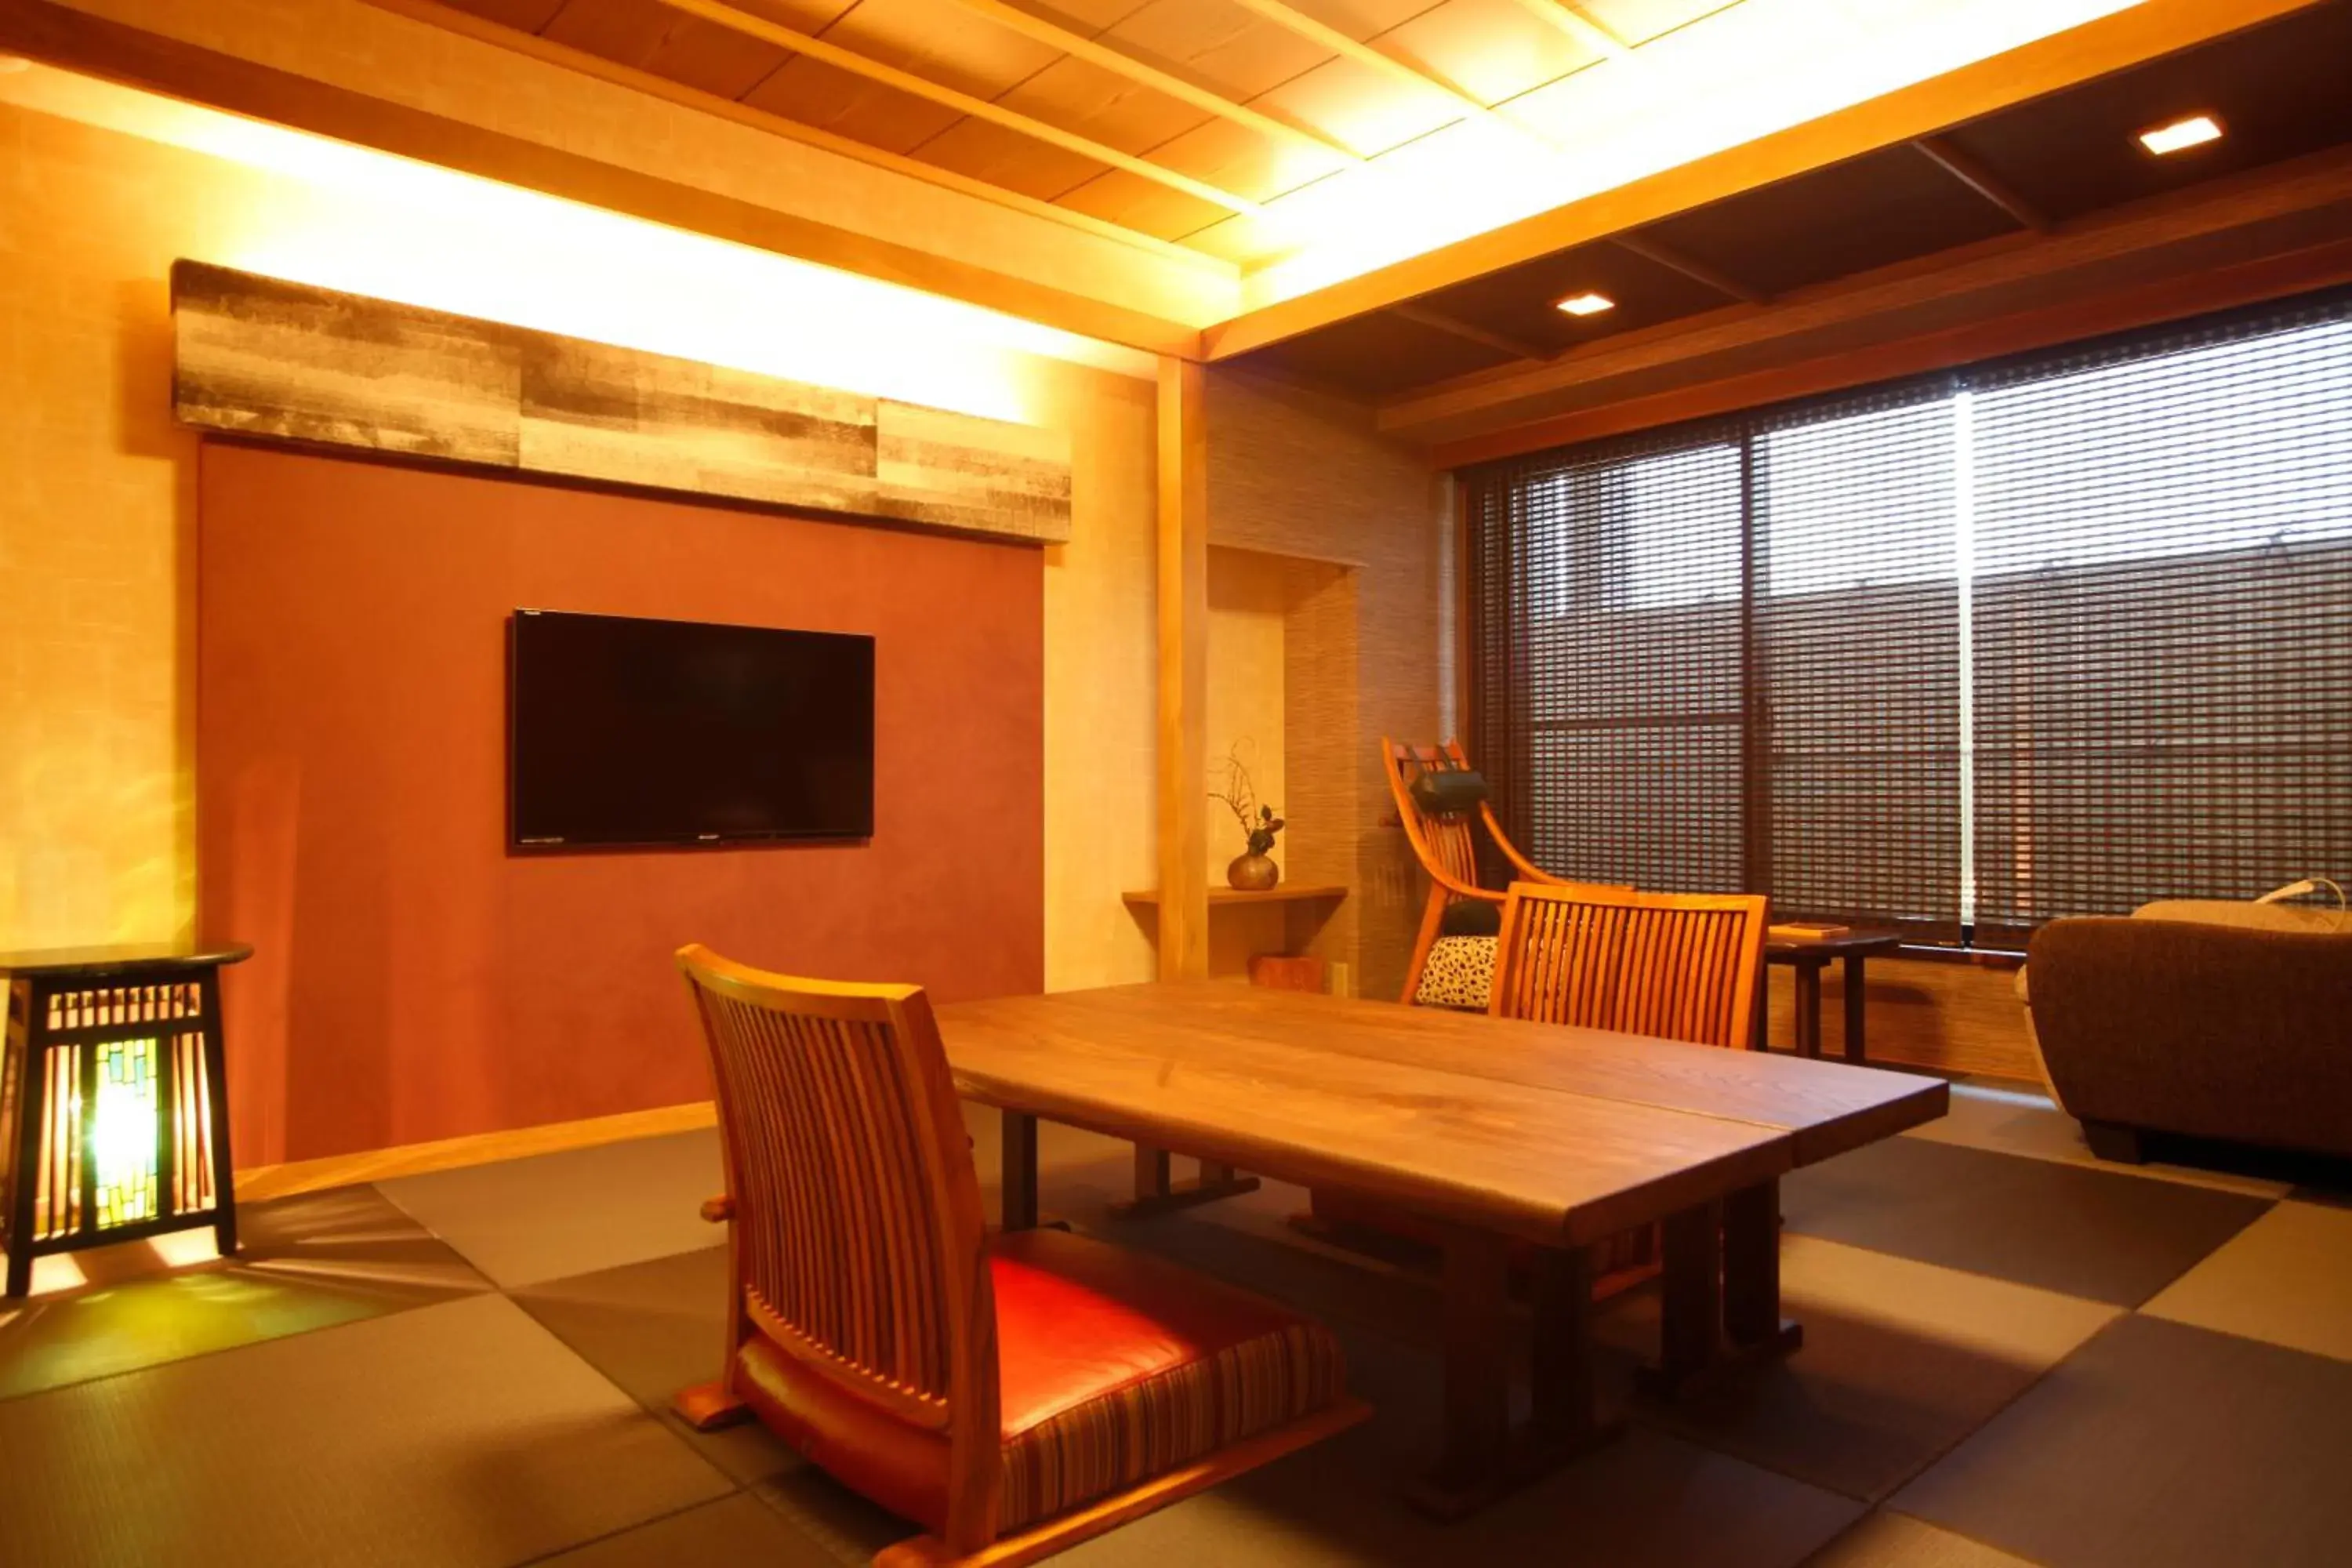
pixel 2209 1030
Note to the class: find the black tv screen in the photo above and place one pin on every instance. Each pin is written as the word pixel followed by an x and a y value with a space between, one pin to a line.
pixel 638 732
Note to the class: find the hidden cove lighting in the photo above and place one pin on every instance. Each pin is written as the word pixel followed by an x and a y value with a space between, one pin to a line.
pixel 2193 132
pixel 1587 304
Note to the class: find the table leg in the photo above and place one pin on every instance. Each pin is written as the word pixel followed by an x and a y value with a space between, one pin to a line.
pixel 1484 1456
pixel 1853 999
pixel 1019 1184
pixel 1751 1274
pixel 1151 1182
pixel 1720 1308
pixel 1690 1302
pixel 1477 1377
pixel 1560 1358
pixel 1809 1009
pixel 1156 1193
pixel 1758 1032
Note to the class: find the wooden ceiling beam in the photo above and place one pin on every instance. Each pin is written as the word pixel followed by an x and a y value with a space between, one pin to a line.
pixel 1095 52
pixel 2188 291
pixel 1578 22
pixel 2277 208
pixel 1973 174
pixel 534 47
pixel 1470 331
pixel 735 19
pixel 1690 266
pixel 1284 14
pixel 131 56
pixel 2113 42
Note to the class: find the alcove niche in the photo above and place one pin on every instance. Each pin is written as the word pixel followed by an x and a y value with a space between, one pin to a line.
pixel 1282 688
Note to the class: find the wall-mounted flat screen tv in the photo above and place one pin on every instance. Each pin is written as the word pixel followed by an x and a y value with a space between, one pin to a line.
pixel 638 732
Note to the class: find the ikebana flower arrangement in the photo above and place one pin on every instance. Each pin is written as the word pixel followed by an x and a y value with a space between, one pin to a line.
pixel 1252 871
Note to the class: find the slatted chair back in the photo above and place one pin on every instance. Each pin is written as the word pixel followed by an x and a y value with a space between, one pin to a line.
pixel 1677 967
pixel 1443 845
pixel 859 1247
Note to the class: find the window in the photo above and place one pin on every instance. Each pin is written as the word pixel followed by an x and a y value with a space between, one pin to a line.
pixel 2052 635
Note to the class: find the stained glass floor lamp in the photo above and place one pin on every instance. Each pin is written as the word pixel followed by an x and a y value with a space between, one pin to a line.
pixel 113 1111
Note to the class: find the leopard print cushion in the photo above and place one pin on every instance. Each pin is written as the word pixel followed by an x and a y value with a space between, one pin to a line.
pixel 1460 972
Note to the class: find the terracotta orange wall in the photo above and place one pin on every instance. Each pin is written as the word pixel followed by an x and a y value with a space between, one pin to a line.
pixel 413 981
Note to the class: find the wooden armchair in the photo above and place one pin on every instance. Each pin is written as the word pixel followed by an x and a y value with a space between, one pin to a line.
pixel 1447 848
pixel 1013 1394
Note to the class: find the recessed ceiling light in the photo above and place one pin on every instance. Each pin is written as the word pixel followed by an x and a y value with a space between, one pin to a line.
pixel 2193 132
pixel 1587 304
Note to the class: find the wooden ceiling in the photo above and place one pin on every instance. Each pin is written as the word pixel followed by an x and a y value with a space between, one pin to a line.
pixel 1176 121
pixel 2050 165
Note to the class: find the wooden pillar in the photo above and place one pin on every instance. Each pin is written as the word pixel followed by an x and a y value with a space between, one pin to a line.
pixel 1183 762
pixel 1182 779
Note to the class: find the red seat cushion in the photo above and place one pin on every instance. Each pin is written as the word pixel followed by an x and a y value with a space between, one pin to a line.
pixel 1113 1367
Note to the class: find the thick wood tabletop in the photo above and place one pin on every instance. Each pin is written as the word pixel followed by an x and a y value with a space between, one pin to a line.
pixel 1827 1107
pixel 1387 1100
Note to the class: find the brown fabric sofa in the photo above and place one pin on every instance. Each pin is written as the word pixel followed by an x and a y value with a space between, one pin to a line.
pixel 2169 1021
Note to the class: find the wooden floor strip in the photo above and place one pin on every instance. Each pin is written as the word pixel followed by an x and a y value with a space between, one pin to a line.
pixel 476 1148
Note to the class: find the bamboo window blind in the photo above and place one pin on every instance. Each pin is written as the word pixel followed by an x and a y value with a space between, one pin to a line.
pixel 2052 635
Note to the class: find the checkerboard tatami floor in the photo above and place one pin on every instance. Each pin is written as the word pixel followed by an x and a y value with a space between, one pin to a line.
pixel 2013 1355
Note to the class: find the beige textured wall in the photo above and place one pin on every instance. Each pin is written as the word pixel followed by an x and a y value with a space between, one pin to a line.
pixel 1302 474
pixel 97 519
pixel 97 513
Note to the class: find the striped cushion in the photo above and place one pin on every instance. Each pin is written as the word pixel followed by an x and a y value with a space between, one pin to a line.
pixel 1163 1422
pixel 1116 1367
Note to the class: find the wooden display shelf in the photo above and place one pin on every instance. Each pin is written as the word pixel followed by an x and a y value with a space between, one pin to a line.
pixel 1280 893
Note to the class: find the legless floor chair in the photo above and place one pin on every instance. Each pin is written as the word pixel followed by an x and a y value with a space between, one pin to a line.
pixel 1013 1395
pixel 1676 966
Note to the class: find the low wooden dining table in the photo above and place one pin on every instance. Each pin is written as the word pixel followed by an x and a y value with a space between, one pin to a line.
pixel 1518 1141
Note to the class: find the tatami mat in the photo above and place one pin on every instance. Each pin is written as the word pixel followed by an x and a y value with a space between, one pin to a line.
pixel 1897 1540
pixel 2159 1446
pixel 2286 1279
pixel 1901 1361
pixel 655 1328
pixel 1970 1360
pixel 2009 1119
pixel 733 1533
pixel 844 1526
pixel 449 1436
pixel 304 1263
pixel 521 1221
pixel 2035 1222
pixel 1645 1500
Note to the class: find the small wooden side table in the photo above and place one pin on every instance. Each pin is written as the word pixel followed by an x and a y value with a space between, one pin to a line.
pixel 1808 958
pixel 113 1101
